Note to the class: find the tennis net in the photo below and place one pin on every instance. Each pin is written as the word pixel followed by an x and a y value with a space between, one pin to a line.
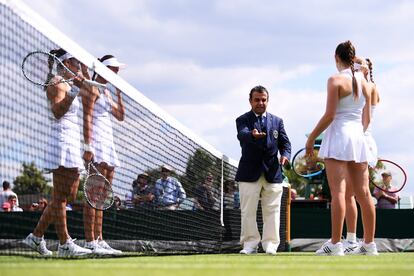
pixel 207 220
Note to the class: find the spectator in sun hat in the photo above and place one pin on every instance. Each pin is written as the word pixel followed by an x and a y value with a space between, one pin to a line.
pixel 142 193
pixel 385 199
pixel 169 193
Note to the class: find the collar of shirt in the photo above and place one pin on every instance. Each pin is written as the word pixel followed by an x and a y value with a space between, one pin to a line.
pixel 263 115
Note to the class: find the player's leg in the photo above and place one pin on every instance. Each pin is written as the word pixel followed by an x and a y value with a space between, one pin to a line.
pixel 360 183
pixel 109 173
pixel 336 173
pixel 271 197
pixel 67 182
pixel 92 220
pixel 249 199
pixel 351 217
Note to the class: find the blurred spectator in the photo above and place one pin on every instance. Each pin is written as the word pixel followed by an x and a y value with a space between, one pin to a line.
pixel 231 196
pixel 4 195
pixel 386 200
pixel 293 194
pixel 39 206
pixel 206 195
pixel 169 192
pixel 117 203
pixel 12 200
pixel 319 193
pixel 142 194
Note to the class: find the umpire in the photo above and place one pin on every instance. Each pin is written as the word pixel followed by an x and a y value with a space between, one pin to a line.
pixel 262 136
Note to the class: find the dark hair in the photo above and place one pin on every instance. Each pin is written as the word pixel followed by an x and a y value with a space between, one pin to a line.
pixel 229 185
pixel 369 62
pixel 58 53
pixel 259 89
pixel 105 57
pixel 345 51
pixel 11 197
pixel 6 185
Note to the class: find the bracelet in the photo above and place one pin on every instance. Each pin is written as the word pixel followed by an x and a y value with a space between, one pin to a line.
pixel 74 91
pixel 87 147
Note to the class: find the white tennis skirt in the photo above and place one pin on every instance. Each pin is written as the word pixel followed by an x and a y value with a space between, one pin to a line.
pixel 104 151
pixel 344 140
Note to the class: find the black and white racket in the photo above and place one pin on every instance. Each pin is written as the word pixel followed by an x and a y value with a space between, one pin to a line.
pixel 45 69
pixel 308 166
pixel 97 189
pixel 388 176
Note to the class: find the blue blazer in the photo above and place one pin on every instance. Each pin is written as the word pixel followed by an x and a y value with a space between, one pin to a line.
pixel 261 155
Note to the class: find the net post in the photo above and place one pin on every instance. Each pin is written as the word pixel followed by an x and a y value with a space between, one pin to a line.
pixel 288 205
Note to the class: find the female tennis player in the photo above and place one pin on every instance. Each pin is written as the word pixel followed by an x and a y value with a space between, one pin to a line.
pixel 99 147
pixel 64 154
pixel 350 244
pixel 345 150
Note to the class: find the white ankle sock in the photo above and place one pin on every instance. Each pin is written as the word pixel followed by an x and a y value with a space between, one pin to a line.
pixel 351 237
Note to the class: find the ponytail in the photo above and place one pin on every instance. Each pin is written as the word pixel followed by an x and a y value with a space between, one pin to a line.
pixel 346 53
pixel 370 70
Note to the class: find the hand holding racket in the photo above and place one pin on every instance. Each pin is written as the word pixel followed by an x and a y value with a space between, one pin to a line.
pixel 97 189
pixel 306 162
pixel 388 176
pixel 42 68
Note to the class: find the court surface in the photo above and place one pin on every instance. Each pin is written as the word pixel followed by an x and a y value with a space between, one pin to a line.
pixel 200 265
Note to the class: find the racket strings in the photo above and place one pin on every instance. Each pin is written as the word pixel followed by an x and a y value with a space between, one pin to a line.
pixel 98 189
pixel 43 69
pixel 308 165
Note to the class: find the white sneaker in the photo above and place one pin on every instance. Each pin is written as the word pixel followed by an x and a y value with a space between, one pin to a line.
pixel 366 249
pixel 97 249
pixel 271 251
pixel 106 246
pixel 350 247
pixel 37 244
pixel 329 249
pixel 248 251
pixel 71 249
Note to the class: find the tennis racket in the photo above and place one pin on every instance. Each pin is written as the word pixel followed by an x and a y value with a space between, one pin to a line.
pixel 97 189
pixel 308 166
pixel 44 69
pixel 388 176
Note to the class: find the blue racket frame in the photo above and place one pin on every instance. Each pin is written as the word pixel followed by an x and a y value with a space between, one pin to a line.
pixel 311 174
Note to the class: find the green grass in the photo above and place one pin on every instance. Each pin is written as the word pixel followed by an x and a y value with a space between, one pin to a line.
pixel 389 264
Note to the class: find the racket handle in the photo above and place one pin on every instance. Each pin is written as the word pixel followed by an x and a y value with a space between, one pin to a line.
pixel 94 83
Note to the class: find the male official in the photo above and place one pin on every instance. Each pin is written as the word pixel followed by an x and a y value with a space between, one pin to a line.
pixel 262 136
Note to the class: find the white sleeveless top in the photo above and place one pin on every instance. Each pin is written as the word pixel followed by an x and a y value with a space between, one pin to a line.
pixel 102 137
pixel 64 143
pixel 344 139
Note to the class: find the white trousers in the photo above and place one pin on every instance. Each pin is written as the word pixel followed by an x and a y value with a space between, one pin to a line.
pixel 270 195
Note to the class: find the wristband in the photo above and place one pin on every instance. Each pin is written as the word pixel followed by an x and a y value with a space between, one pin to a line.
pixel 87 147
pixel 74 91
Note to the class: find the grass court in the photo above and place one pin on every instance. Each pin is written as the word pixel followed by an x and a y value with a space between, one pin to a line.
pixel 297 263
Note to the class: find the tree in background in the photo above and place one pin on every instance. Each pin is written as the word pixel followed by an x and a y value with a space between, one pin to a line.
pixel 31 181
pixel 199 165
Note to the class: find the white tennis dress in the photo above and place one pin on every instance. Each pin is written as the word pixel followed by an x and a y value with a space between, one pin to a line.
pixel 102 137
pixel 344 139
pixel 372 145
pixel 64 142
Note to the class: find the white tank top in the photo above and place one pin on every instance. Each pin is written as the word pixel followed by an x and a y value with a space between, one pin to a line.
pixel 66 129
pixel 349 108
pixel 102 125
